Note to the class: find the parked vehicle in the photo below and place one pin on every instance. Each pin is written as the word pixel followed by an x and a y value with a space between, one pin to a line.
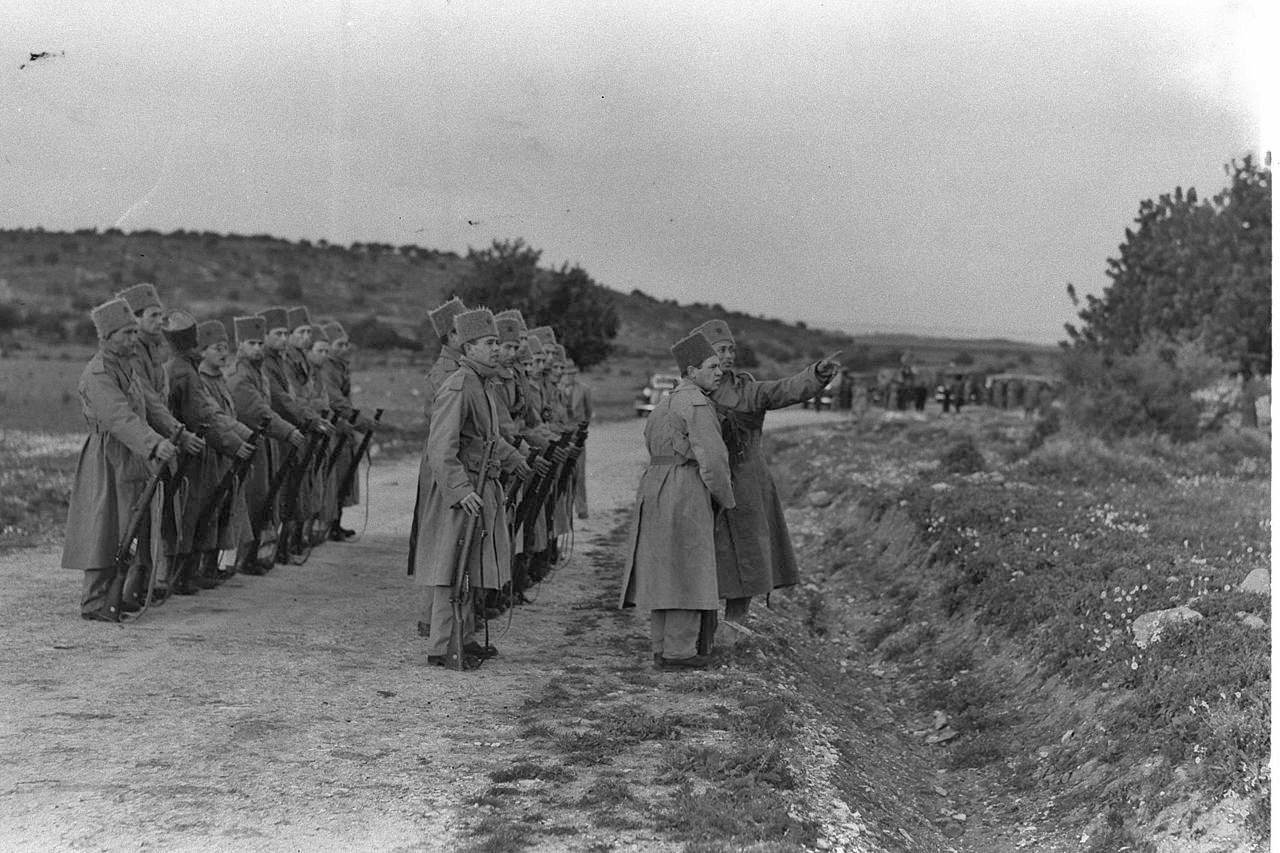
pixel 660 385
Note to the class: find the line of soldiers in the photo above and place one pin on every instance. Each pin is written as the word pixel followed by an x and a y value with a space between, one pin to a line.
pixel 501 473
pixel 195 469
pixel 708 525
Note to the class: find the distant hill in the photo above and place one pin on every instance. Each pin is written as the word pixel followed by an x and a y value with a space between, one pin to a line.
pixel 59 276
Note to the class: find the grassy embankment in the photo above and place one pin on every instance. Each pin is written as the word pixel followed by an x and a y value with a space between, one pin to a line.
pixel 996 582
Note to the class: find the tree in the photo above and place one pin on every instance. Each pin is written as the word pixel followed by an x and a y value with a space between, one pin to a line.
pixel 1192 271
pixel 584 314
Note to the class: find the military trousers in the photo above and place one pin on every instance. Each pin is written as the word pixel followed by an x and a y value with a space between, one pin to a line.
pixel 679 634
pixel 440 608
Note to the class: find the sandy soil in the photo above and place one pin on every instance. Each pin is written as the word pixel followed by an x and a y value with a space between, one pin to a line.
pixel 291 711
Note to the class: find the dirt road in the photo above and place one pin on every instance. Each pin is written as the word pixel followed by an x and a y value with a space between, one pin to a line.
pixel 296 710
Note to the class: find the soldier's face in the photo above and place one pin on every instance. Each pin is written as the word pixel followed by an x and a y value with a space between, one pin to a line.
pixel 251 350
pixel 539 364
pixel 215 355
pixel 726 351
pixel 555 370
pixel 341 348
pixel 507 352
pixel 150 320
pixel 301 337
pixel 707 375
pixel 277 338
pixel 318 353
pixel 484 350
pixel 123 341
pixel 526 364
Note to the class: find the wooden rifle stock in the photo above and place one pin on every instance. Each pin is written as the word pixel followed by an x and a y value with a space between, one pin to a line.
pixel 349 477
pixel 342 442
pixel 461 579
pixel 539 487
pixel 141 506
pixel 215 507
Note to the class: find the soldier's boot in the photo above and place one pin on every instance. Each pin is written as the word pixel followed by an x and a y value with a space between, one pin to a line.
pixel 115 593
pixel 707 632
pixel 553 549
pixel 134 588
pixel 247 560
pixel 95 595
pixel 539 566
pixel 520 579
pixel 207 570
pixel 181 583
pixel 286 543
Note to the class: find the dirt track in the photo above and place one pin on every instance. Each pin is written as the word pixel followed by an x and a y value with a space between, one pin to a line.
pixel 289 711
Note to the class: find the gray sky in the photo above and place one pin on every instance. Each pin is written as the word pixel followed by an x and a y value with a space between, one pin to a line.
pixel 940 166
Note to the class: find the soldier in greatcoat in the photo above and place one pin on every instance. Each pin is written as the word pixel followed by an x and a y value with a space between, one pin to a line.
pixel 445 365
pixel 577 399
pixel 149 356
pixel 251 394
pixel 464 421
pixel 753 548
pixel 324 476
pixel 671 556
pixel 294 410
pixel 335 372
pixel 121 451
pixel 198 397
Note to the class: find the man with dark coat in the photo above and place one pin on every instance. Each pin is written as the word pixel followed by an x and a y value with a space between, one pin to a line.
pixel 289 406
pixel 252 397
pixel 121 451
pixel 577 400
pixel 464 421
pixel 335 373
pixel 199 352
pixel 753 547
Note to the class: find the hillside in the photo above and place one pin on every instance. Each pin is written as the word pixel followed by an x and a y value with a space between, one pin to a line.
pixel 55 277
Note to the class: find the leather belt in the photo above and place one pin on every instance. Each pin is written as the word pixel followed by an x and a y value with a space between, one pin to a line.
pixel 671 460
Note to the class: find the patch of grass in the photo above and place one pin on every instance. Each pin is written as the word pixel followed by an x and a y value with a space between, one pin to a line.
pixel 977 751
pixel 528 770
pixel 607 792
pixel 495 795
pixel 739 816
pixel 498 834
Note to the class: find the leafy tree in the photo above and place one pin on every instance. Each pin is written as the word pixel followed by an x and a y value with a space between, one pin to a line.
pixel 584 314
pixel 1192 271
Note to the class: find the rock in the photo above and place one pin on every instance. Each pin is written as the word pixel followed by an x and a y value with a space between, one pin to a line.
pixel 1257 581
pixel 1249 620
pixel 820 498
pixel 942 736
pixel 1149 627
pixel 941 487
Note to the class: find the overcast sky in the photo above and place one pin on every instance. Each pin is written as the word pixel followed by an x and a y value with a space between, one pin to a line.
pixel 944 166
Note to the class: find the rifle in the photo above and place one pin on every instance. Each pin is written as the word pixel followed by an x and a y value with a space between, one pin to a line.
pixel 259 524
pixel 290 507
pixel 537 489
pixel 342 442
pixel 461 580
pixel 514 494
pixel 138 509
pixel 214 511
pixel 348 478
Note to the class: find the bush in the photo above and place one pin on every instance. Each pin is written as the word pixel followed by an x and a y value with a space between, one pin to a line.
pixel 1076 458
pixel 962 457
pixel 1149 391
